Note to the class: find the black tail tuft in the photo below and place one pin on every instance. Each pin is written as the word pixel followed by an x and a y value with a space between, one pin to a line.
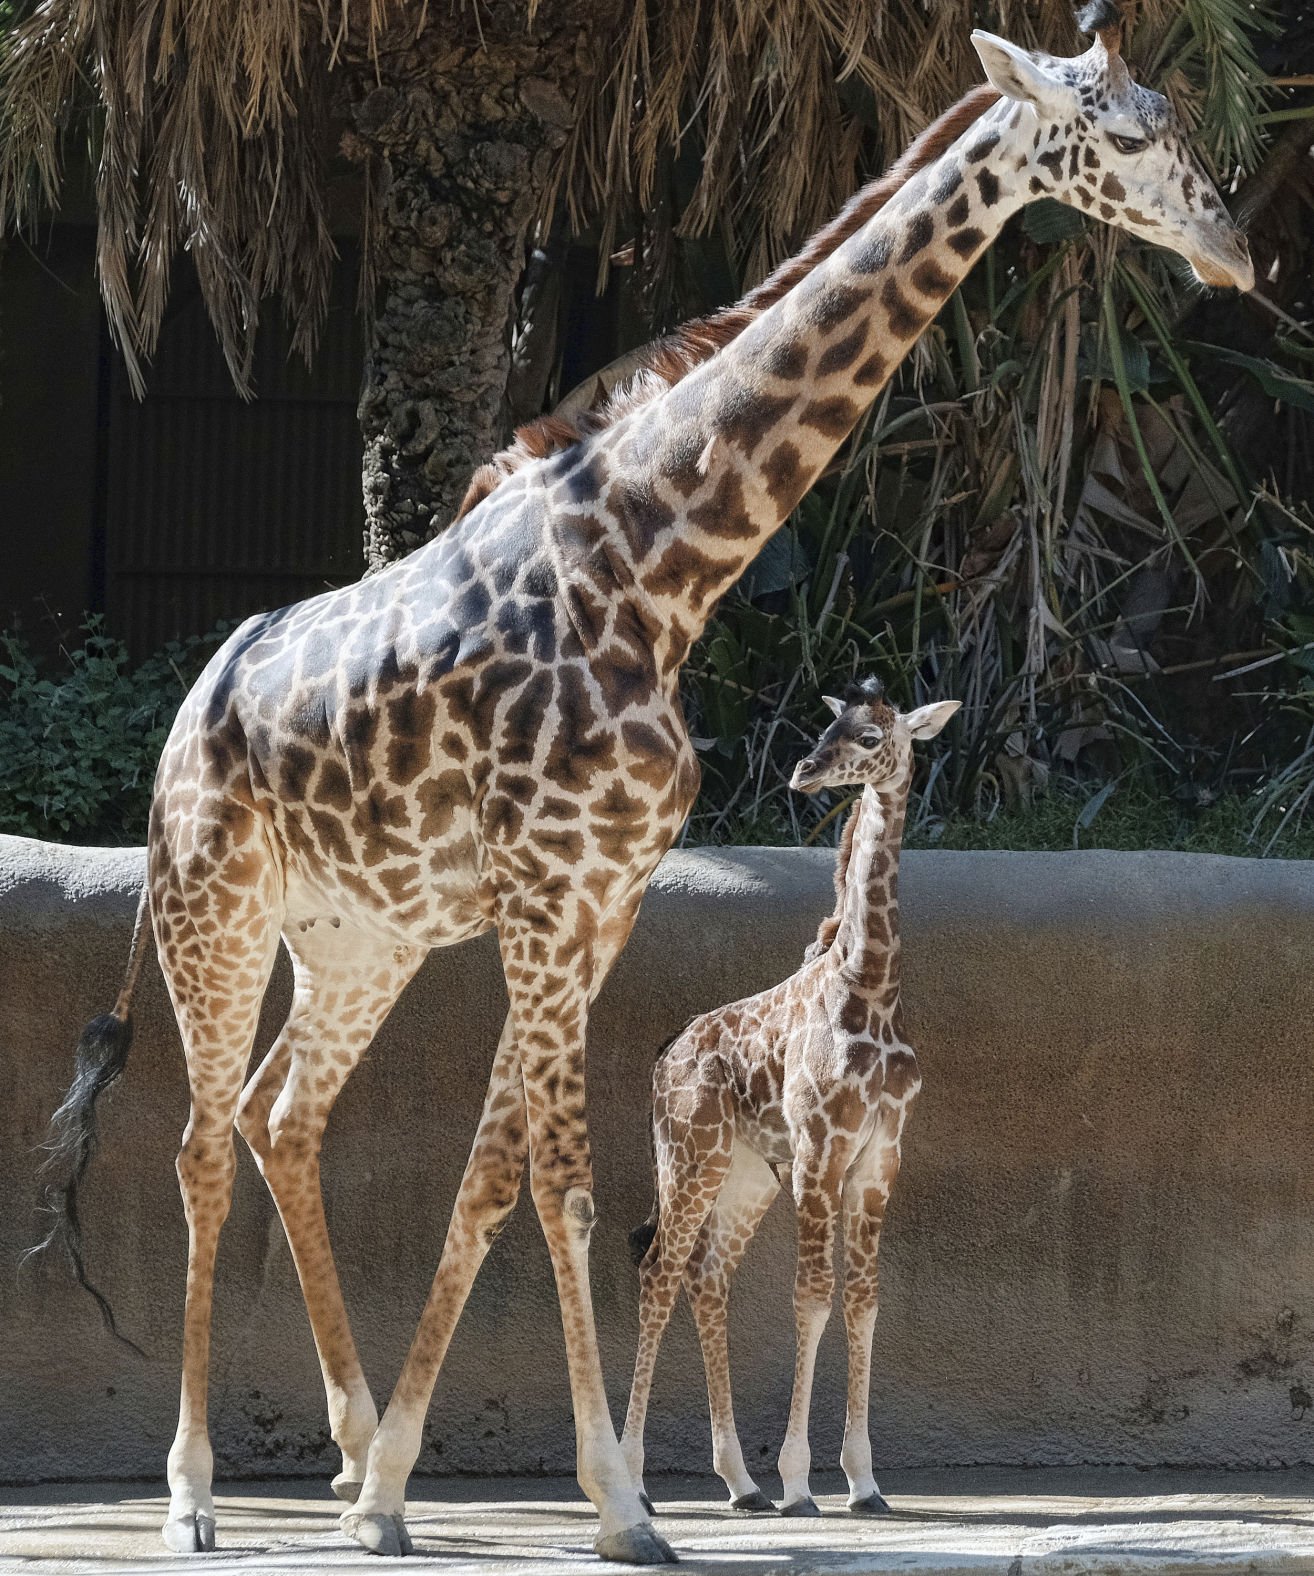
pixel 641 1239
pixel 101 1056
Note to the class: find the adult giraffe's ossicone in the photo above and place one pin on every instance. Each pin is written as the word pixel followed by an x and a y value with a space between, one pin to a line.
pixel 488 735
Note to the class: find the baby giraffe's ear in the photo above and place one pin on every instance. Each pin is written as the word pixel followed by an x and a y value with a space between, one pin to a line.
pixel 837 706
pixel 926 721
pixel 1016 73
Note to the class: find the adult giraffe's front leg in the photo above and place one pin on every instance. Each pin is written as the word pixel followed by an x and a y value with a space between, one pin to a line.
pixel 546 1028
pixel 489 1189
pixel 551 1013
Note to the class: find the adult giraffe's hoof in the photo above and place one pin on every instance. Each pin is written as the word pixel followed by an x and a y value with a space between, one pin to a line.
pixel 378 1534
pixel 347 1488
pixel 639 1545
pixel 192 1533
pixel 754 1504
pixel 801 1507
pixel 872 1505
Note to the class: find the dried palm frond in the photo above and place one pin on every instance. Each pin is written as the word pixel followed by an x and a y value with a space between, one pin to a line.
pixel 206 124
pixel 208 120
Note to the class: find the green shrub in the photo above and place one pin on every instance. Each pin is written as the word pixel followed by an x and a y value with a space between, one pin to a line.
pixel 79 746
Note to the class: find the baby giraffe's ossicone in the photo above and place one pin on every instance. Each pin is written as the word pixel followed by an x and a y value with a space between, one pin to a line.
pixel 808 1084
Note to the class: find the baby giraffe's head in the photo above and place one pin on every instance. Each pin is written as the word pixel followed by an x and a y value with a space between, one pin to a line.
pixel 1089 136
pixel 869 743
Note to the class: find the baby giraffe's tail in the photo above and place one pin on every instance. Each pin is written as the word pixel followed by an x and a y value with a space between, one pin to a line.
pixel 641 1237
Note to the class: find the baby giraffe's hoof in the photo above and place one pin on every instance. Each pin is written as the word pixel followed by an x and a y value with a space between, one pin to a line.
pixel 346 1488
pixel 801 1507
pixel 639 1545
pixel 647 1503
pixel 379 1534
pixel 190 1534
pixel 754 1504
pixel 873 1505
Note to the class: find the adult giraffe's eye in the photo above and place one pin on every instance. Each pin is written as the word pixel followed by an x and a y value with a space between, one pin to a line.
pixel 1128 144
pixel 869 741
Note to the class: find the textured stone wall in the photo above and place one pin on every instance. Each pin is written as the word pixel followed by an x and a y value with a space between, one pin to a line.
pixel 1101 1248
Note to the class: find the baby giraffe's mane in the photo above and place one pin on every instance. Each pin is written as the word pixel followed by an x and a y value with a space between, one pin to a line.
pixel 829 927
pixel 670 359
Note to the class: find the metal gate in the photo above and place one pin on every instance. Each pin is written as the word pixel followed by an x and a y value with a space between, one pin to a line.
pixel 214 507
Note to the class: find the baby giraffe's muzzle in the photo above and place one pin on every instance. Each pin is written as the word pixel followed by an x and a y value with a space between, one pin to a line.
pixel 808 775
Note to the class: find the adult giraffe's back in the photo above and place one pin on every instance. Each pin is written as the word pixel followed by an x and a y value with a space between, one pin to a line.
pixel 489 735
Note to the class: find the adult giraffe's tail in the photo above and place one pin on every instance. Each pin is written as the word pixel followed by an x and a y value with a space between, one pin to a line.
pixel 101 1055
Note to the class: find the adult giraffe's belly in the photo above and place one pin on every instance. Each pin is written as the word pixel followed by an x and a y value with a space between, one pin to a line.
pixel 430 893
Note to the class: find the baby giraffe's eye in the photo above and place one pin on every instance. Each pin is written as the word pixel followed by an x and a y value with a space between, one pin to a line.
pixel 869 741
pixel 1128 144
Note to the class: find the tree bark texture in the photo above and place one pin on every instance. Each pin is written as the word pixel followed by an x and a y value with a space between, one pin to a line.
pixel 462 139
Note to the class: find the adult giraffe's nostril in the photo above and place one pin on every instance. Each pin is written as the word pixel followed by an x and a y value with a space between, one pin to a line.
pixel 1245 268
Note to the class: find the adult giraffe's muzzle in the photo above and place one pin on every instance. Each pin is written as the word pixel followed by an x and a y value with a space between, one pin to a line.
pixel 1224 261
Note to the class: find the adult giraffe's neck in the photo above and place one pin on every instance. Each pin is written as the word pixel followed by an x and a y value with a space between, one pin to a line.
pixel 866 946
pixel 703 475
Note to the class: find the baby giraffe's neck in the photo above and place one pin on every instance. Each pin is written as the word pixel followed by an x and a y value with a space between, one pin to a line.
pixel 866 946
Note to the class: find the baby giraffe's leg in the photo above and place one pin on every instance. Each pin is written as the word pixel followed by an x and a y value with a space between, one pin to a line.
pixel 692 1139
pixel 818 1173
pixel 866 1195
pixel 745 1196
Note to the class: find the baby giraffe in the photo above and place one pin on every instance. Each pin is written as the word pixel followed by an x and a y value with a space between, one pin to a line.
pixel 810 1084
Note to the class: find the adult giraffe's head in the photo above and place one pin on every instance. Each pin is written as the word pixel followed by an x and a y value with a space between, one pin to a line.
pixel 1093 138
pixel 869 742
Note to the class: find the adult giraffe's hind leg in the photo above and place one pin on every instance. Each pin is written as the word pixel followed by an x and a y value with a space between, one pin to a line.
pixel 345 983
pixel 217 932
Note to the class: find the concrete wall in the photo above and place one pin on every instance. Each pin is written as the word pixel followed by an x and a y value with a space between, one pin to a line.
pixel 1101 1248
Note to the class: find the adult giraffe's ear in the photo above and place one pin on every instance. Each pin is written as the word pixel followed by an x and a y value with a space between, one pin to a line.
pixel 926 721
pixel 1017 74
pixel 837 706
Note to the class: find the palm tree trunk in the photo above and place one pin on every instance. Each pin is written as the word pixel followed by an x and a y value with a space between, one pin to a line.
pixel 461 142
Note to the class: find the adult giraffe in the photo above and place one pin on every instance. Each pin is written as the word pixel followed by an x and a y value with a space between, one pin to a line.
pixel 489 736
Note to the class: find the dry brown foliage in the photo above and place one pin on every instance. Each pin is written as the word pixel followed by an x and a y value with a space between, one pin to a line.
pixel 209 124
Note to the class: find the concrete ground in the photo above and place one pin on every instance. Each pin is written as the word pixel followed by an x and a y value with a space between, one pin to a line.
pixel 1050 1522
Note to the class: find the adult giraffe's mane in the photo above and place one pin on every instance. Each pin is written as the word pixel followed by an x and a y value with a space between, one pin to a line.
pixel 674 357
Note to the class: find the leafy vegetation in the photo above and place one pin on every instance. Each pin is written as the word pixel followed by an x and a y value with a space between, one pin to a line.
pixel 78 747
